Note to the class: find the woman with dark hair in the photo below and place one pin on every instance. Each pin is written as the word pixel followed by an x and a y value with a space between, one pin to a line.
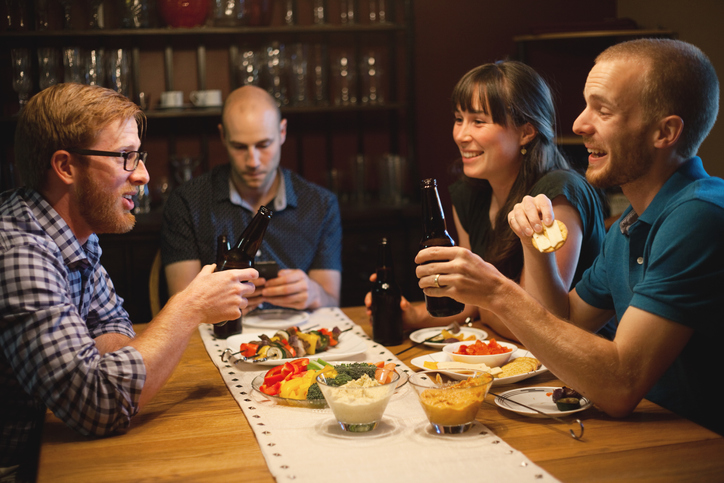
pixel 505 130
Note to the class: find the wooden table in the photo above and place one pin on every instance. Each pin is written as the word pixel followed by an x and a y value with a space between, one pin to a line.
pixel 194 431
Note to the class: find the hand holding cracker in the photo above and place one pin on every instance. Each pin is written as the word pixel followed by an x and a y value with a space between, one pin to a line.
pixel 552 238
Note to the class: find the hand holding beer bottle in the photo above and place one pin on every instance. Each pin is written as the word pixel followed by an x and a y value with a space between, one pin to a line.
pixel 241 255
pixel 434 234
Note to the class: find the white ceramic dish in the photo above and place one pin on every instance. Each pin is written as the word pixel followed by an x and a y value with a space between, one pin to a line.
pixel 274 319
pixel 444 357
pixel 493 360
pixel 538 398
pixel 420 335
pixel 349 345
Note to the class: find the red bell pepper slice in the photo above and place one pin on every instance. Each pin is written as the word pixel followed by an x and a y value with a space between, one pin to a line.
pixel 272 390
pixel 275 375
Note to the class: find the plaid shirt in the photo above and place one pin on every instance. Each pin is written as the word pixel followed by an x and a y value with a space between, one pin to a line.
pixel 55 298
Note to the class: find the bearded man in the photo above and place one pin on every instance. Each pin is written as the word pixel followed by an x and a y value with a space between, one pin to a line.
pixel 67 343
pixel 649 105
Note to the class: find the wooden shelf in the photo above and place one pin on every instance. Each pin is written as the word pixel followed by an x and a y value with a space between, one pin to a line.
pixel 595 34
pixel 206 31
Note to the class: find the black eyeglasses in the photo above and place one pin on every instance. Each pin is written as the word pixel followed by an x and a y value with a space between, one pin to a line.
pixel 130 158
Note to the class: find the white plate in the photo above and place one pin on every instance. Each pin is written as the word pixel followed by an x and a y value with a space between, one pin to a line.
pixel 349 345
pixel 538 398
pixel 444 357
pixel 274 319
pixel 419 335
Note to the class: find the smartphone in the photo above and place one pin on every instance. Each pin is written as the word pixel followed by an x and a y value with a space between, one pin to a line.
pixel 267 270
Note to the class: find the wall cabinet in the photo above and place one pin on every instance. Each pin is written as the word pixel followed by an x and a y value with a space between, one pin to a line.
pixel 328 132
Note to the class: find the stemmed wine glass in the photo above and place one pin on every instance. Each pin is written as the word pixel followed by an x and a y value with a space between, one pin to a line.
pixel 22 80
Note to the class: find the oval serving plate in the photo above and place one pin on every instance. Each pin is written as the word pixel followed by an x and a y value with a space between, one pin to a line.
pixel 349 345
pixel 279 319
pixel 444 357
pixel 420 335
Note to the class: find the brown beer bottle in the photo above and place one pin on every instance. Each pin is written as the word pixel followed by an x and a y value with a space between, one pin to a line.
pixel 434 234
pixel 242 255
pixel 386 296
pixel 222 248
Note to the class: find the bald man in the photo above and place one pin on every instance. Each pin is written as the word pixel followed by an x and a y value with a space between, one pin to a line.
pixel 304 236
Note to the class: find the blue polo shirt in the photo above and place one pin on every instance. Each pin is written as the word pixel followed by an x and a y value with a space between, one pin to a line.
pixel 670 262
pixel 305 231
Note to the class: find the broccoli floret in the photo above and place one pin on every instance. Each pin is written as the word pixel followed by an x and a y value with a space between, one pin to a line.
pixel 340 380
pixel 314 392
pixel 356 370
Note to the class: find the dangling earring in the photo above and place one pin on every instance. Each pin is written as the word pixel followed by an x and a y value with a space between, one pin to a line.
pixel 523 151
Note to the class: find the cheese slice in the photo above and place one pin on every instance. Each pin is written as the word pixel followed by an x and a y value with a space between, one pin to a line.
pixel 552 238
pixel 542 241
pixel 454 366
pixel 554 234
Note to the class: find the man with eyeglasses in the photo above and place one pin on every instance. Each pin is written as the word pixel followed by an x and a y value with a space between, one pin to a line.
pixel 67 343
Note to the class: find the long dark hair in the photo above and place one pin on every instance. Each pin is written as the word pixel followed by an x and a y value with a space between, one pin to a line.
pixel 512 93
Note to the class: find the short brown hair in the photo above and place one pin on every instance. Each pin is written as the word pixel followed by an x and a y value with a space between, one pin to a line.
pixel 680 80
pixel 66 116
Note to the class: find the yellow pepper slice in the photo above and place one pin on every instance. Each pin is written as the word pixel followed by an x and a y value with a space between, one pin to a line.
pixel 311 339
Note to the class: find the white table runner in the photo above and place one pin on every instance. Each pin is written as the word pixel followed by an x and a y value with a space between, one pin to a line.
pixel 307 445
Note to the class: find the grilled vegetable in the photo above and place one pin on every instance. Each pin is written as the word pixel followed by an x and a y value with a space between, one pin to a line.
pixel 566 399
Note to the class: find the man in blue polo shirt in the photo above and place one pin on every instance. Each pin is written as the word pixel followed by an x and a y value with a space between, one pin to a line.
pixel 304 236
pixel 649 105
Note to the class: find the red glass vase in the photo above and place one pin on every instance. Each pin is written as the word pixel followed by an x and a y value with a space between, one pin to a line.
pixel 184 13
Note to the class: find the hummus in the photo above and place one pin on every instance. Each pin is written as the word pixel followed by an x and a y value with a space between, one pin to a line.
pixel 359 401
pixel 452 405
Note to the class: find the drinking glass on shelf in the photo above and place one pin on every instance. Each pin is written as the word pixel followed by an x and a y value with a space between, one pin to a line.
pixel 346 11
pixel 290 14
pixel 22 80
pixel 318 13
pixel 41 14
pixel 248 63
pixel 392 173
pixel 48 67
pixel 119 67
pixel 93 67
pixel 344 80
pixel 298 60
pixel 17 15
pixel 378 13
pixel 73 65
pixel 318 68
pixel 95 12
pixel 275 73
pixel 67 10
pixel 135 13
pixel 227 13
pixel 371 72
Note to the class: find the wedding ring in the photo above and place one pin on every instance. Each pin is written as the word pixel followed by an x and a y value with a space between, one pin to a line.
pixel 437 281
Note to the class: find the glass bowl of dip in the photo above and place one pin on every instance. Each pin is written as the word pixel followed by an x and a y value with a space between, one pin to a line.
pixel 359 405
pixel 451 405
